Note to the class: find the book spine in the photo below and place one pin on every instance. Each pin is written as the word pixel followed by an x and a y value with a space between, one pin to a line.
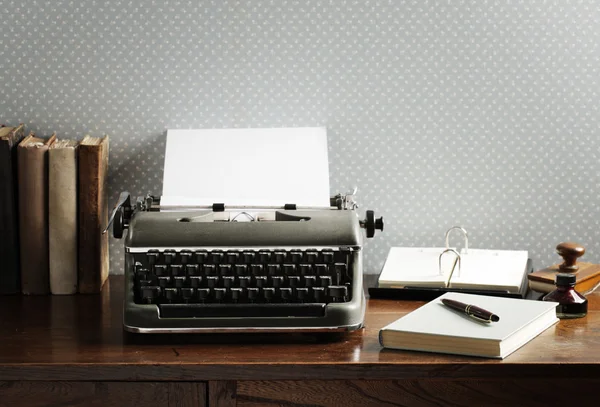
pixel 381 337
pixel 93 216
pixel 62 220
pixel 10 278
pixel 33 219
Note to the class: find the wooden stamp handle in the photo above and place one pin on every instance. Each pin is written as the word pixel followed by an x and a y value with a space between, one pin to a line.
pixel 570 252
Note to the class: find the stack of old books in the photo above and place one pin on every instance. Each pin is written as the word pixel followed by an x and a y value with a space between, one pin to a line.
pixel 53 206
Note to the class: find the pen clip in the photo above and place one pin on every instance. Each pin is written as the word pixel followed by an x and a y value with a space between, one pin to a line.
pixel 475 317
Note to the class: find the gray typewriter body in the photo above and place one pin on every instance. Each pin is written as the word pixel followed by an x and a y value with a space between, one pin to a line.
pixel 195 271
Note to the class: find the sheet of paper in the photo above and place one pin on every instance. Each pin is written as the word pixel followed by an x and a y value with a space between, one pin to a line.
pixel 416 266
pixel 247 167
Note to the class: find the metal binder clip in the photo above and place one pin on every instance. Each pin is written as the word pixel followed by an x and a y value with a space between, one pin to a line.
pixel 440 262
pixel 464 232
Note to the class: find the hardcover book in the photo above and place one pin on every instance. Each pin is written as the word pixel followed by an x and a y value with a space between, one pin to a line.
pixel 436 328
pixel 93 214
pixel 10 274
pixel 62 216
pixel 33 213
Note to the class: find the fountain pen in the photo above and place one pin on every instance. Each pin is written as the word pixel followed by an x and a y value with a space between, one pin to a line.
pixel 471 310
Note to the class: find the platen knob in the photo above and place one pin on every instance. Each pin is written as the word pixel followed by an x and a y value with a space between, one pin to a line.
pixel 371 224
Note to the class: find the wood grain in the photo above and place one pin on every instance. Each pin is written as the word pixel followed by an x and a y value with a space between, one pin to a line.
pixel 222 393
pixel 105 394
pixel 425 393
pixel 81 338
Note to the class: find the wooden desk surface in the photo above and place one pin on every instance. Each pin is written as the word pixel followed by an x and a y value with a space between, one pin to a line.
pixel 81 338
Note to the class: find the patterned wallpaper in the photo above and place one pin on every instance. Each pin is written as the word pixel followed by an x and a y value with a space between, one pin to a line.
pixel 484 114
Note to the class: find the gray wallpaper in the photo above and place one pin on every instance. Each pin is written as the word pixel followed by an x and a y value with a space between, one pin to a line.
pixel 484 114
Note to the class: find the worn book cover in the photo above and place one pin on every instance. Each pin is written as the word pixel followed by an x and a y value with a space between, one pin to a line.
pixel 33 213
pixel 62 216
pixel 10 279
pixel 93 214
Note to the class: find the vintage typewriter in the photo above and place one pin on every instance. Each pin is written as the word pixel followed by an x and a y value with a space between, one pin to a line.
pixel 221 269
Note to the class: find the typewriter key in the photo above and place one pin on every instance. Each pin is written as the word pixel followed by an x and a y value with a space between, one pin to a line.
pixel 201 256
pixel 169 256
pixel 187 293
pixel 185 256
pixel 160 270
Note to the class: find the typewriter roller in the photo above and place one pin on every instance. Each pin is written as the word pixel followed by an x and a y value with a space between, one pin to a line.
pixel 220 269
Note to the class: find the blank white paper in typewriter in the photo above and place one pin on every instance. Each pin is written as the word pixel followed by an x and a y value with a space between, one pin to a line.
pixel 251 167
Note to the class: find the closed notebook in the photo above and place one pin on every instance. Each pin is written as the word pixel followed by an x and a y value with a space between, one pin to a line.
pixel 437 328
pixel 502 270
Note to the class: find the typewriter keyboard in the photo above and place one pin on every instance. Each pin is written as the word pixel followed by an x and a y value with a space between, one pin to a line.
pixel 243 283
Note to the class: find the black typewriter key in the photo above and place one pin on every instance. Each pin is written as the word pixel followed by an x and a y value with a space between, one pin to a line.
pixel 164 281
pixel 201 256
pixel 277 281
pixel 180 281
pixel 279 256
pixel 152 257
pixel 171 294
pixel 150 294
pixel 187 293
pixel 285 293
pixel 338 293
pixel 319 294
pixel 142 274
pixel 217 256
pixel 341 256
pixel 185 256
pixel 339 271
pixel 305 269
pixel 232 257
pixel 225 269
pixel 260 281
pixel 245 281
pixel 321 269
pixel 289 269
pixel 302 294
pixel 264 256
pixel 248 257
pixel 209 270
pixel 237 294
pixel 268 293
pixel 241 269
pixel 195 281
pixel 294 281
pixel 325 281
pixel 203 294
pixel 273 269
pixel 212 281
pixel 220 294
pixel 310 281
pixel 256 269
pixel 177 270
pixel 327 256
pixel 295 256
pixel 192 270
pixel 252 293
pixel 312 256
pixel 160 270
pixel 169 256
pixel 228 281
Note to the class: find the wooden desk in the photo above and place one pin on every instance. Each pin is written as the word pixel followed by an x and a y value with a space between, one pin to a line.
pixel 72 350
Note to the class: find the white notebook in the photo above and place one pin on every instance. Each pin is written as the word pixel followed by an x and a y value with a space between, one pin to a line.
pixel 437 328
pixel 502 270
